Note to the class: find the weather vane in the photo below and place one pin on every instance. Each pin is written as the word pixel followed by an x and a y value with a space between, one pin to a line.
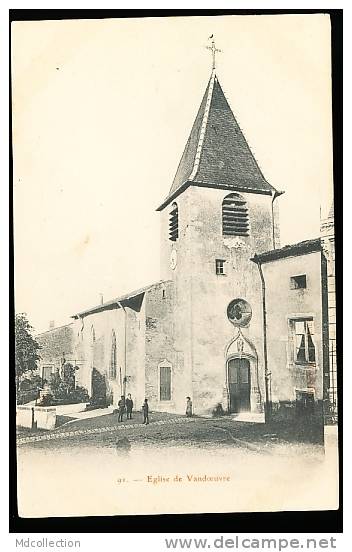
pixel 213 49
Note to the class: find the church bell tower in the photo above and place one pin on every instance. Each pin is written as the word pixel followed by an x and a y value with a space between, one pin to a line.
pixel 219 212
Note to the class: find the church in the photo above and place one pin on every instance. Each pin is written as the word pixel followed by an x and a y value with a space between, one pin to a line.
pixel 235 320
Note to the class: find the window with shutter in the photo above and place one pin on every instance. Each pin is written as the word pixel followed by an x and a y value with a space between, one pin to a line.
pixel 303 340
pixel 173 222
pixel 165 383
pixel 235 221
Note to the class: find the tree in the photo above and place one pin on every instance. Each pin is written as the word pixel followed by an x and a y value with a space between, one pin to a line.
pixel 69 376
pixel 26 347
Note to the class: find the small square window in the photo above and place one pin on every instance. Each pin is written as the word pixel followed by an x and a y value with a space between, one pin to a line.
pixel 298 282
pixel 220 266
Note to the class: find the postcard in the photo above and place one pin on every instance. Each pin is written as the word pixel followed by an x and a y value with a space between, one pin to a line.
pixel 174 265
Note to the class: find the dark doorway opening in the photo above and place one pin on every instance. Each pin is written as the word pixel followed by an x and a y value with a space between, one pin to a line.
pixel 304 403
pixel 98 388
pixel 239 378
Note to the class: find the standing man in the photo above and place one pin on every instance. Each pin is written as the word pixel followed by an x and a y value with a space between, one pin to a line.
pixel 189 407
pixel 121 405
pixel 145 408
pixel 129 406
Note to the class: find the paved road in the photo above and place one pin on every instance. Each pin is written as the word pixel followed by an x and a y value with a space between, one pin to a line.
pixel 63 434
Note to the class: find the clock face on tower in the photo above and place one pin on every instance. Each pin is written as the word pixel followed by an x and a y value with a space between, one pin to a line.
pixel 173 259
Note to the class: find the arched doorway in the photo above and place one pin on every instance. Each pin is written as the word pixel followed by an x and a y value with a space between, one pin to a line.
pixel 98 388
pixel 239 384
pixel 98 381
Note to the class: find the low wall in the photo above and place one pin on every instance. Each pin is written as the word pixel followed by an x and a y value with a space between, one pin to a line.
pixel 24 416
pixel 66 409
pixel 43 417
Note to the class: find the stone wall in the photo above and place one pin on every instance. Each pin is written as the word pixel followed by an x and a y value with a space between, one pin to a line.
pixel 39 417
pixel 135 355
pixel 181 276
pixel 94 336
pixel 56 344
pixel 159 348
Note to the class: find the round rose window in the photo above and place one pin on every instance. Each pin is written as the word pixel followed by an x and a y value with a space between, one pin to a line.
pixel 239 312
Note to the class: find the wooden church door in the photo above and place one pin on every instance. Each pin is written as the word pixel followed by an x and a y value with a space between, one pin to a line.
pixel 239 384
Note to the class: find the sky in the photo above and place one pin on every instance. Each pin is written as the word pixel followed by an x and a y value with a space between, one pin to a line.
pixel 102 110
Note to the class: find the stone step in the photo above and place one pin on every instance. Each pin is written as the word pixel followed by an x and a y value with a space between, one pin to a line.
pixel 254 417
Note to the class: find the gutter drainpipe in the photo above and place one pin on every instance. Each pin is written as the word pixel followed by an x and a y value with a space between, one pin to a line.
pixel 276 194
pixel 123 383
pixel 267 374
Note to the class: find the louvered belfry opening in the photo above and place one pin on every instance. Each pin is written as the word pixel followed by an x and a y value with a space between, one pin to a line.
pixel 235 220
pixel 173 223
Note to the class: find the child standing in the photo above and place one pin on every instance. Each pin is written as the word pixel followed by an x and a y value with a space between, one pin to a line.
pixel 145 409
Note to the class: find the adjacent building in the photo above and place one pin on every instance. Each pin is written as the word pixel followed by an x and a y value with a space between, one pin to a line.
pixel 328 244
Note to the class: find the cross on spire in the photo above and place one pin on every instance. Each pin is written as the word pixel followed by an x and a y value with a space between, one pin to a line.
pixel 214 50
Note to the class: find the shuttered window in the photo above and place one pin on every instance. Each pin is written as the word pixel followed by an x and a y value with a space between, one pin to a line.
pixel 165 383
pixel 303 341
pixel 173 223
pixel 235 220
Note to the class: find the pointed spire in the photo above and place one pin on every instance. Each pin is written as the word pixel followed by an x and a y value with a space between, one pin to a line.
pixel 217 154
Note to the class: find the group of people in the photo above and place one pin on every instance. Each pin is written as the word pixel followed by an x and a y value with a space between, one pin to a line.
pixel 126 405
